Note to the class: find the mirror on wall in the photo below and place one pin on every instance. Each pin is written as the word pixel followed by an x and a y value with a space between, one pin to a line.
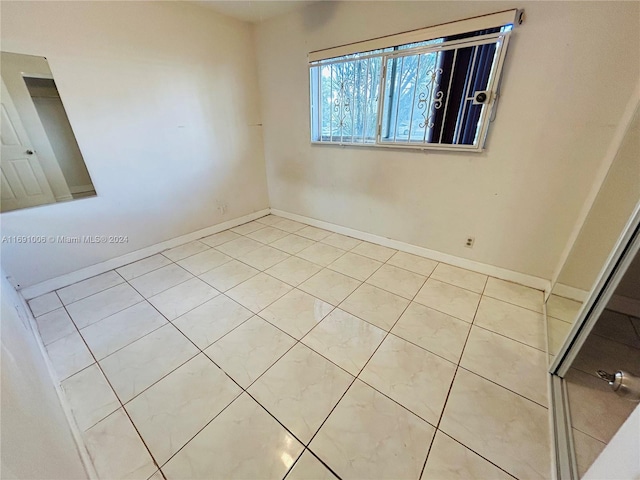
pixel 612 208
pixel 40 159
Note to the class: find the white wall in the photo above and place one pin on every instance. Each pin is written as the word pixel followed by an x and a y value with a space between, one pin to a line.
pixel 570 71
pixel 163 99
pixel 36 441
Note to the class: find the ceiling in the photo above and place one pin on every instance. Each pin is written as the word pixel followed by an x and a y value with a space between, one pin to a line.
pixel 253 11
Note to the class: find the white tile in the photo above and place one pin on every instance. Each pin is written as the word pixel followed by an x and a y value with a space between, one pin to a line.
pixel 513 293
pixel 313 233
pixel 100 305
pixel 44 304
pixel 460 277
pixel 370 436
pixel 267 235
pixel 377 252
pixel 146 265
pixel 435 331
pixel 449 299
pixel 243 442
pixel 309 467
pixel 321 254
pixel 375 305
pixel 557 330
pixel 290 226
pixel 239 246
pixel 269 219
pixel 203 262
pixel 249 350
pixel 413 263
pixel 341 241
pixel 159 280
pixel 511 321
pixel 247 227
pixel 121 329
pixel 332 287
pixel 296 313
pixel 228 275
pixel 503 427
pixel 355 266
pixel 450 460
pixel 345 340
pixel 210 321
pixel 300 390
pixel 258 292
pixel 180 299
pixel 294 270
pixel 413 377
pixel 137 366
pixel 69 355
pixel 186 250
pixel 263 257
pixel 292 244
pixel 90 396
pixel 175 409
pixel 219 238
pixel 397 280
pixel 586 449
pixel 83 289
pixel 619 327
pixel 513 365
pixel 54 325
pixel 116 449
pixel 563 308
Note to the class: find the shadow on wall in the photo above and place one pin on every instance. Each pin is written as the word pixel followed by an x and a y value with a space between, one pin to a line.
pixel 317 14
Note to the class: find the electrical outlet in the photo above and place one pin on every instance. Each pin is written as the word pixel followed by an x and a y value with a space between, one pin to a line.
pixel 222 208
pixel 469 242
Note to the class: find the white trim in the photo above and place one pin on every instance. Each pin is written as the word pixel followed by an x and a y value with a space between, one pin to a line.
pixel 493 271
pixel 499 19
pixel 571 293
pixel 88 272
pixel 82 188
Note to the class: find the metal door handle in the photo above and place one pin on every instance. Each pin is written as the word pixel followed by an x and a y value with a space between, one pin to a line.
pixel 623 383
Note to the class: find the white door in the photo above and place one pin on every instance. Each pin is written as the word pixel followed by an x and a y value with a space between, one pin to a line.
pixel 24 183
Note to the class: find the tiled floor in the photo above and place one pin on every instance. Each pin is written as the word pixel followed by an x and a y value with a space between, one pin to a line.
pixel 277 349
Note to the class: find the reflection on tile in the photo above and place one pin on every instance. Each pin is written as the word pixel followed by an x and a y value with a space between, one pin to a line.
pixel 100 305
pixel 246 228
pixel 503 427
pixel 239 246
pixel 452 461
pixel 345 340
pixel 413 263
pixel 563 308
pixel 116 449
pixel 267 235
pixel 330 286
pixel 619 327
pixel 210 321
pixel 203 262
pixel 449 299
pixel 586 449
pixel 460 277
pixel 321 254
pixel 513 293
pixel 258 292
pixel 145 361
pixel 377 252
pixel 341 241
pixel 292 244
pixel 44 304
pixel 69 355
pixel 263 257
pixel 511 321
pixel 219 238
pixel 375 305
pixel 300 390
pixel 355 266
pixel 294 270
pixel 435 331
pixel 83 289
pixel 186 250
pixel 229 275
pixel 513 365
pixel 296 313
pixel 146 265
pixel 309 467
pixel 54 325
pixel 249 350
pixel 90 396
pixel 413 377
pixel 370 436
pixel 159 280
pixel 119 330
pixel 289 225
pixel 172 411
pixel 243 442
pixel 397 280
pixel 557 331
pixel 313 233
pixel 180 299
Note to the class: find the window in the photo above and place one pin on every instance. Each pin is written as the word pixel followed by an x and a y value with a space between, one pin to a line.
pixel 437 92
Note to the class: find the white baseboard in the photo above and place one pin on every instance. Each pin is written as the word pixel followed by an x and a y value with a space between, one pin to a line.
pixel 571 293
pixel 498 272
pixel 81 188
pixel 88 272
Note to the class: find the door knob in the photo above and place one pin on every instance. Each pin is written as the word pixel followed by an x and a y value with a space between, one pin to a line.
pixel 623 383
pixel 29 152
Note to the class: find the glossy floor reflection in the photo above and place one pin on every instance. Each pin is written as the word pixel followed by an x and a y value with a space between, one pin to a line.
pixel 277 349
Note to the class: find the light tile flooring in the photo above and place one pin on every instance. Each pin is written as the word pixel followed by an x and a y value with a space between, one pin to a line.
pixel 277 349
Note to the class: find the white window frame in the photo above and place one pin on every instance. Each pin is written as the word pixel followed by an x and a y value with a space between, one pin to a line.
pixel 501 39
